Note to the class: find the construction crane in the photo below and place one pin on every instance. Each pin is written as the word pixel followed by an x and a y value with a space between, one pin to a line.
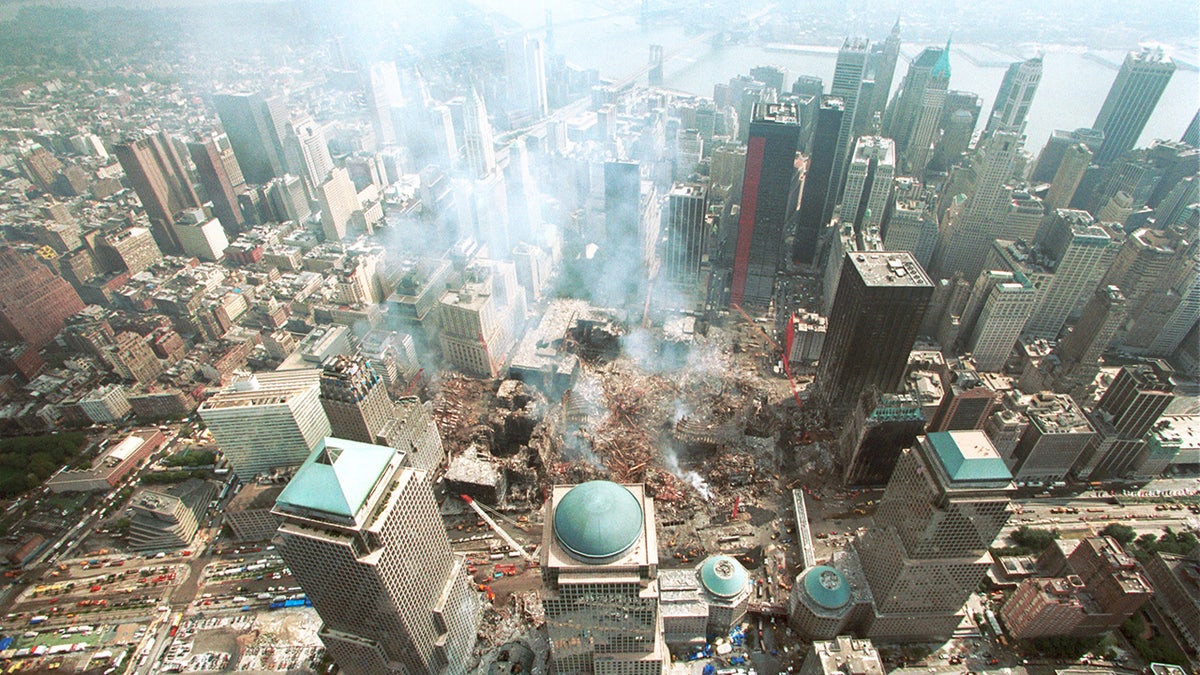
pixel 512 543
pixel 760 328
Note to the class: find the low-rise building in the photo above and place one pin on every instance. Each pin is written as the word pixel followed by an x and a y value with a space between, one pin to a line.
pixel 107 471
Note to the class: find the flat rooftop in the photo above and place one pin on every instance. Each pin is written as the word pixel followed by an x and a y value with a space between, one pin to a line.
pixel 890 268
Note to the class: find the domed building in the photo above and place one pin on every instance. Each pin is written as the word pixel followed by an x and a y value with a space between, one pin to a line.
pixel 820 602
pixel 707 600
pixel 600 580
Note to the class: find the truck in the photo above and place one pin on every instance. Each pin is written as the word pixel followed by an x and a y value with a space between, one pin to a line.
pixel 35 620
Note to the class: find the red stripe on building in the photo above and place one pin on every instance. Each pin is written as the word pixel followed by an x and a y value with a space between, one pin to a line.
pixel 741 260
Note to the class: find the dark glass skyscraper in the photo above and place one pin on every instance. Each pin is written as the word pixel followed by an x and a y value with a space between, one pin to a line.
pixel 767 200
pixel 877 310
pixel 1131 100
pixel 809 223
pixel 256 126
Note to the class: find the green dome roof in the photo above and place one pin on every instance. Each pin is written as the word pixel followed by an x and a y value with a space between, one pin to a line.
pixel 723 576
pixel 827 587
pixel 597 521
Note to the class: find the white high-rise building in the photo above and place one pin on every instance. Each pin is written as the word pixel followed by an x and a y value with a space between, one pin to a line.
pixel 868 183
pixel 383 94
pixel 314 149
pixel 1082 250
pixel 846 85
pixel 1000 322
pixel 1015 96
pixel 339 201
pixel 200 235
pixel 362 535
pixel 477 136
pixel 268 420
pixel 525 69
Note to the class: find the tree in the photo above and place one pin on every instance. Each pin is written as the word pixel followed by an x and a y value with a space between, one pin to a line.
pixel 1122 533
pixel 1034 539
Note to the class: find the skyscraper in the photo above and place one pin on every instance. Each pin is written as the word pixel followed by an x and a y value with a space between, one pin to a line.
pixel 1074 164
pixel 868 183
pixel 877 310
pixel 970 233
pixel 34 302
pixel 883 64
pixel 847 83
pixel 160 179
pixel 599 580
pixel 946 501
pixel 309 141
pixel 1080 251
pixel 1017 88
pixel 525 72
pixel 1127 410
pixel 212 155
pixel 1079 351
pixel 918 147
pixel 1056 435
pixel 1052 153
pixel 1146 269
pixel 355 399
pixel 913 225
pixel 817 178
pixel 339 201
pixel 477 136
pixel 767 201
pixel 1134 94
pixel 269 420
pixel 905 107
pixel 687 234
pixel 1000 321
pixel 362 535
pixel 257 128
pixel 382 95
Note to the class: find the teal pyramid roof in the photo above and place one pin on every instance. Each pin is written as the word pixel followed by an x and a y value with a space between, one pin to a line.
pixel 942 67
pixel 967 456
pixel 337 477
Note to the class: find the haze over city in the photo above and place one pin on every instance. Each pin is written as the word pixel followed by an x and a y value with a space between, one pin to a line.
pixel 633 338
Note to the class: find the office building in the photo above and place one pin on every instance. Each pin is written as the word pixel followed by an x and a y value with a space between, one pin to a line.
pixel 268 420
pixel 477 137
pixel 26 283
pixel 600 588
pixel 1017 88
pixel 946 501
pixel 354 399
pixel 767 202
pixel 882 426
pixel 168 519
pixel 881 64
pixel 1078 353
pixel 1057 433
pixel 1145 269
pixel 902 113
pixel 686 238
pixel 308 138
pixel 918 147
pixel 362 535
pixel 1075 161
pixel 160 179
pixel 382 95
pixel 480 317
pixel 200 236
pixel 132 359
pixel 1000 321
pixel 1134 94
pixel 339 201
pixel 1050 159
pixel 868 184
pixel 818 175
pixel 960 116
pixel 880 301
pixel 970 231
pixel 913 224
pixel 1128 409
pixel 1177 581
pixel 221 177
pixel 413 431
pixel 256 125
pixel 525 73
pixel 847 84
pixel 844 655
pixel 708 599
pixel 967 401
pixel 105 404
pixel 1079 251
